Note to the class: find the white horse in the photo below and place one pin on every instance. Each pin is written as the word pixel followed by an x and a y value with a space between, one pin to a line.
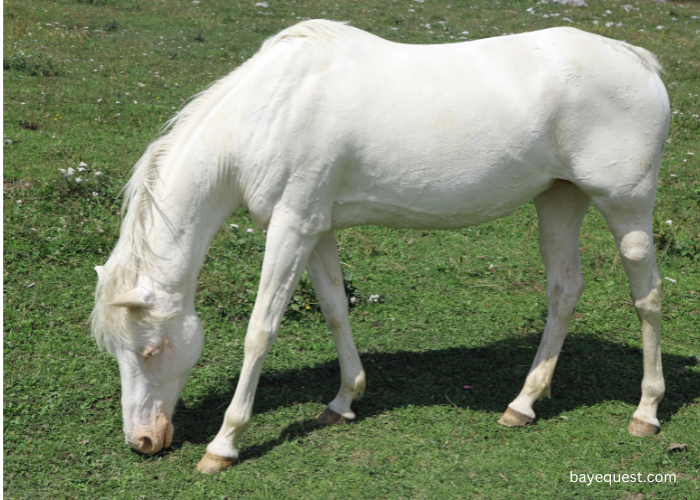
pixel 329 127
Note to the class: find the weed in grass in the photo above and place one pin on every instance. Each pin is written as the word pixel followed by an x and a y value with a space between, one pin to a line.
pixel 29 66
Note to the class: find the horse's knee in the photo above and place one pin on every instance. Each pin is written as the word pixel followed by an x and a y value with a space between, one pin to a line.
pixel 334 314
pixel 575 288
pixel 258 341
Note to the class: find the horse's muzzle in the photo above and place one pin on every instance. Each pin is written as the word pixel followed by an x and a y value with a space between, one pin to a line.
pixel 152 440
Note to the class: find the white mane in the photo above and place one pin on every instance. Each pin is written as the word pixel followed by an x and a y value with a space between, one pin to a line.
pixel 113 326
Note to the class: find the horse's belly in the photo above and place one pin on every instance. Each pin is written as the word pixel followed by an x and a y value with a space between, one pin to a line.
pixel 449 208
pixel 385 215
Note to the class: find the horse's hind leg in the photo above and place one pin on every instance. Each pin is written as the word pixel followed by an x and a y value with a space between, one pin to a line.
pixel 327 278
pixel 631 224
pixel 560 210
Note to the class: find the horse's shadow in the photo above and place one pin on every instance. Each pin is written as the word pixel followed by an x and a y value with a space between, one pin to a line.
pixel 589 371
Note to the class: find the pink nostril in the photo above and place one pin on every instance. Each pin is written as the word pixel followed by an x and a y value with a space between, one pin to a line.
pixel 146 445
pixel 152 439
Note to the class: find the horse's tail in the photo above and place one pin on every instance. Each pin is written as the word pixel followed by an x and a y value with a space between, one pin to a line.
pixel 647 59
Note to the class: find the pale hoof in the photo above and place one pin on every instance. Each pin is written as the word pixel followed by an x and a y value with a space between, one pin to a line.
pixel 642 429
pixel 214 463
pixel 329 417
pixel 513 418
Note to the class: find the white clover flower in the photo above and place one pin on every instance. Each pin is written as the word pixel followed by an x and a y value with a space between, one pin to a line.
pixel 83 164
pixel 70 171
pixel 670 279
pixel 235 226
pixel 669 222
pixel 141 84
pixel 78 179
pixel 62 170
pixel 19 201
pixel 249 230
pixel 97 174
pixel 264 5
pixel 353 300
pixel 99 100
pixel 81 169
pixel 373 298
pixel 95 194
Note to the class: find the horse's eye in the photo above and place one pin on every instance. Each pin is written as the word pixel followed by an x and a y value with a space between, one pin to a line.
pixel 150 352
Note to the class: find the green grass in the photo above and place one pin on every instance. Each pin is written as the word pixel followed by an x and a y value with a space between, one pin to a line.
pixel 444 321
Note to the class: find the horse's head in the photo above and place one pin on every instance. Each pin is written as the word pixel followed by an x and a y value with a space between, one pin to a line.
pixel 164 341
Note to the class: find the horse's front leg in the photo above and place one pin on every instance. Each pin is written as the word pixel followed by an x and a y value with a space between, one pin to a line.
pixel 327 278
pixel 286 252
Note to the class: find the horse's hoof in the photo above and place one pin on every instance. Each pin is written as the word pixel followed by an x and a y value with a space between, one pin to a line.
pixel 513 418
pixel 329 417
pixel 211 463
pixel 642 429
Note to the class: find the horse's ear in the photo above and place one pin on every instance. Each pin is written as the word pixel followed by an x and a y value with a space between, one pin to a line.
pixel 138 297
pixel 100 272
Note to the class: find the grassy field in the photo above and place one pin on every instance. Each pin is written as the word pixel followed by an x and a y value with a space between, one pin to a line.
pixel 88 84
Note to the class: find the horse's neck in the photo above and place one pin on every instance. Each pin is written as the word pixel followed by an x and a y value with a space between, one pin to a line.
pixel 184 219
